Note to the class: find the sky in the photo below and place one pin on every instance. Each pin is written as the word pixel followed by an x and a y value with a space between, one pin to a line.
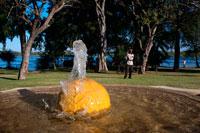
pixel 13 45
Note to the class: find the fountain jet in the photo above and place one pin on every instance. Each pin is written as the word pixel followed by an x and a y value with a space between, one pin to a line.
pixel 80 94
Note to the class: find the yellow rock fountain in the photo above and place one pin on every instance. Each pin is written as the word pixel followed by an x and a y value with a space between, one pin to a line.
pixel 81 94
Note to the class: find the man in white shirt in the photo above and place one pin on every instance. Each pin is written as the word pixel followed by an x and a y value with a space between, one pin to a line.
pixel 129 65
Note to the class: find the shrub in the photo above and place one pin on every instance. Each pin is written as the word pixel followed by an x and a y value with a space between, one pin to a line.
pixel 7 56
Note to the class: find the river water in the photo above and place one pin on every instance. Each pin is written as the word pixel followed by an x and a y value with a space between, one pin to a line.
pixel 169 62
pixel 190 62
pixel 17 62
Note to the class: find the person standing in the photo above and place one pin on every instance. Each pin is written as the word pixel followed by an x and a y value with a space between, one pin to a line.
pixel 184 63
pixel 129 65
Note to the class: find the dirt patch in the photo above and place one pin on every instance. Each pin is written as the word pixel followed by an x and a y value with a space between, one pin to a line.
pixel 133 109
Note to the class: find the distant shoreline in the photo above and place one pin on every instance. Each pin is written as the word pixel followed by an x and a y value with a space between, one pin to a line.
pixel 33 62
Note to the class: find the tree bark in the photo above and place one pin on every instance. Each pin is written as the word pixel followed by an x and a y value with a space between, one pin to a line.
pixel 25 59
pixel 177 51
pixel 147 47
pixel 144 63
pixel 24 66
pixel 62 61
pixel 54 65
pixel 22 37
pixel 102 62
pixel 196 59
pixel 145 56
pixel 103 52
pixel 100 5
pixel 177 42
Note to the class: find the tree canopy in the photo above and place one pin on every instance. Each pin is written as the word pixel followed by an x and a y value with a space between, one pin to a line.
pixel 109 27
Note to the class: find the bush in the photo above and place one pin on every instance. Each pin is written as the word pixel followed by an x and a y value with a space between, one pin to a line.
pixel 7 56
pixel 44 62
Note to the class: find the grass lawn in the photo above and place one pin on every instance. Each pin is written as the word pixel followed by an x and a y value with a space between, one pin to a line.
pixel 186 78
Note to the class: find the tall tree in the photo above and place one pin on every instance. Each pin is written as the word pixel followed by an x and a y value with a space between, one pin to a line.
pixel 159 51
pixel 68 28
pixel 192 36
pixel 100 10
pixel 148 15
pixel 182 10
pixel 5 25
pixel 31 14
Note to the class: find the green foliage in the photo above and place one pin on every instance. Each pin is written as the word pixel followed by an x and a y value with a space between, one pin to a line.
pixel 45 62
pixel 192 34
pixel 123 28
pixel 9 21
pixel 119 55
pixel 7 56
pixel 5 27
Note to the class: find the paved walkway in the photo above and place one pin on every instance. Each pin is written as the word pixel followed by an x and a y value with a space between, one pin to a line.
pixel 190 91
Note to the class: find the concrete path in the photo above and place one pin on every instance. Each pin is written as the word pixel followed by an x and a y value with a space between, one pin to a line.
pixel 190 91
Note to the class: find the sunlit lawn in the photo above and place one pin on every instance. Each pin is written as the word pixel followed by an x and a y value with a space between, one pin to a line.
pixel 184 79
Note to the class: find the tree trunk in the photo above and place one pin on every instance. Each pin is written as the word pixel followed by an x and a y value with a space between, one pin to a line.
pixel 102 62
pixel 144 63
pixel 54 65
pixel 196 59
pixel 102 54
pixel 148 46
pixel 22 38
pixel 177 51
pixel 100 5
pixel 62 60
pixel 24 66
pixel 177 42
pixel 25 59
pixel 9 64
pixel 145 56
pixel 4 47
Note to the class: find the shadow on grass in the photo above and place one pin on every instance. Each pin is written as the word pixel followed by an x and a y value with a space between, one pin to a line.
pixel 190 70
pixel 51 70
pixel 35 99
pixel 104 77
pixel 68 70
pixel 181 75
pixel 185 70
pixel 8 72
pixel 7 78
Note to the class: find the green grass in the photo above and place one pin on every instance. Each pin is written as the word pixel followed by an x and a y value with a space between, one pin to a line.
pixel 184 79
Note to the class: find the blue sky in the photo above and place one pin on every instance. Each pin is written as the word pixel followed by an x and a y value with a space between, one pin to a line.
pixel 12 45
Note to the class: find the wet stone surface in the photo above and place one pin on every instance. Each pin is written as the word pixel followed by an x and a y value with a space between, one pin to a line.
pixel 133 109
